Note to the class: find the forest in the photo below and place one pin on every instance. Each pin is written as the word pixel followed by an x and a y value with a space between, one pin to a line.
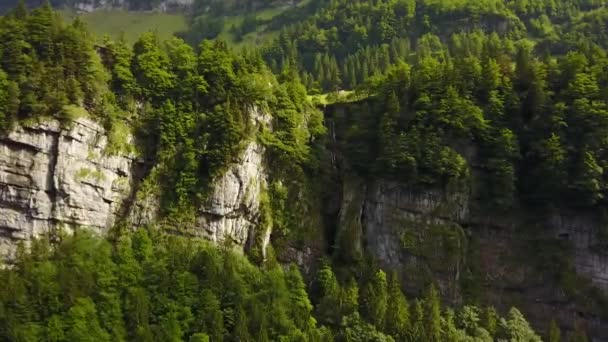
pixel 148 286
pixel 525 82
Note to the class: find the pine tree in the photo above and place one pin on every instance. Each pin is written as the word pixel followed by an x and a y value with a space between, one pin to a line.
pixel 432 315
pixel 151 68
pixel 20 11
pixel 397 319
pixel 417 331
pixel 300 303
pixel 42 26
pixel 83 323
pixel 9 102
pixel 374 298
pixel 387 136
pixel 489 320
pixel 210 317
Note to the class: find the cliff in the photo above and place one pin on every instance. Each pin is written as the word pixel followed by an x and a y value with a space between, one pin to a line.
pixel 54 177
pixel 549 267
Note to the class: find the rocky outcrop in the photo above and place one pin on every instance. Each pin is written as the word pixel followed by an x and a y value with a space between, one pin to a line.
pixel 389 208
pixel 53 177
pixel 232 210
pixel 582 231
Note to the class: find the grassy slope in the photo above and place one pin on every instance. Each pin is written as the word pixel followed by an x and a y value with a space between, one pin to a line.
pixel 132 24
pixel 261 35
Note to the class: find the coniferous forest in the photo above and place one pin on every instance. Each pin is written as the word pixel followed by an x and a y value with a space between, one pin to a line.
pixel 508 95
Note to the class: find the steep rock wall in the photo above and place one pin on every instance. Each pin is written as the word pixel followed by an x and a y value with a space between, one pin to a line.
pixel 53 177
pixel 432 235
pixel 231 209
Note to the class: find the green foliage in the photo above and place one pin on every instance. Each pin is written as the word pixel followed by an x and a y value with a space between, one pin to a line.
pixel 528 120
pixel 427 320
pixel 515 328
pixel 511 93
pixel 397 319
pixel 554 332
pixel 374 301
pixel 149 286
pixel 48 68
pixel 432 315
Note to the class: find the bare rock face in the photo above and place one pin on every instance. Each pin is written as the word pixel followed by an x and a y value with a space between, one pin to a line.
pixel 426 237
pixel 53 177
pixel 232 210
pixel 582 232
pixel 390 209
pixel 418 233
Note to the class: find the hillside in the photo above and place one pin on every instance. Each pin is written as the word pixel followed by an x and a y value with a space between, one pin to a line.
pixel 129 24
pixel 392 170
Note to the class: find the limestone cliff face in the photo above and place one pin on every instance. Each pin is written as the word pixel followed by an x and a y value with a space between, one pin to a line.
pixel 231 210
pixel 582 231
pixel 402 227
pixel 432 235
pixel 53 177
pixel 390 209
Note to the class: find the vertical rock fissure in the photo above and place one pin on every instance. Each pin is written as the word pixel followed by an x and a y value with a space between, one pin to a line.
pixel 140 170
pixel 362 222
pixel 51 185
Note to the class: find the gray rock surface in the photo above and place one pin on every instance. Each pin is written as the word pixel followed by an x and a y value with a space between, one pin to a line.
pixel 232 209
pixel 51 177
pixel 419 235
pixel 582 232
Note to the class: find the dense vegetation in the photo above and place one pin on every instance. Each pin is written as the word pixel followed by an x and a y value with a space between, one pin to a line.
pixel 147 286
pixel 509 95
pixel 522 81
pixel 536 123
pixel 189 109
pixel 340 44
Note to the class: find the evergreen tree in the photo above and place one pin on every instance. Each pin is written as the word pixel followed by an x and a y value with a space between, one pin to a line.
pixel 432 315
pixel 397 320
pixel 374 298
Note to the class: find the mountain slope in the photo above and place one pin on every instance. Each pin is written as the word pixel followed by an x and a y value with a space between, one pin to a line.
pixel 470 168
